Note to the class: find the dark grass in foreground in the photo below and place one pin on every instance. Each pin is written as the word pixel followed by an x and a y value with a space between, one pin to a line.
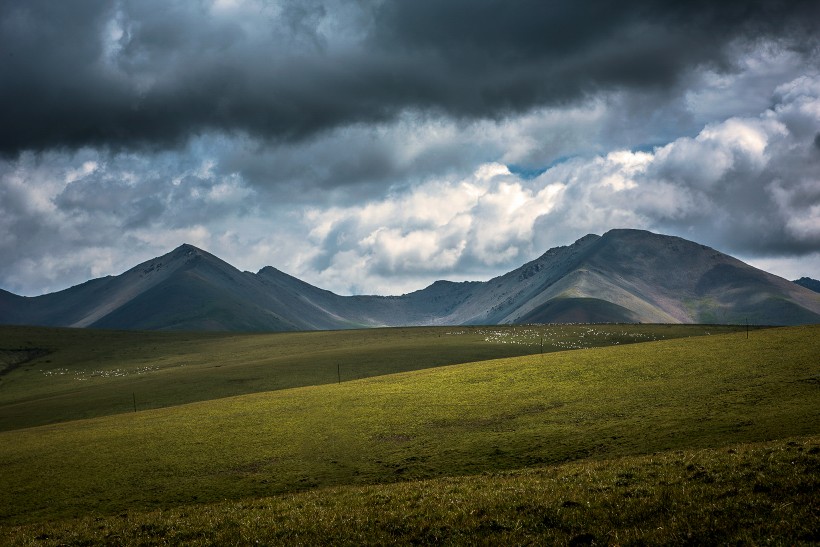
pixel 761 493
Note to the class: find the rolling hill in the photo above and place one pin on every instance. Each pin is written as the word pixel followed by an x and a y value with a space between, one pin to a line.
pixel 640 411
pixel 626 276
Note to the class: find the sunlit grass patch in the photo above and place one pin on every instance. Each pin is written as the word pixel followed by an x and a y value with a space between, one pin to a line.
pixel 54 375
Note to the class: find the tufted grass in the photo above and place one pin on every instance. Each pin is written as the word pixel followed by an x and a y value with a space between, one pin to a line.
pixel 758 493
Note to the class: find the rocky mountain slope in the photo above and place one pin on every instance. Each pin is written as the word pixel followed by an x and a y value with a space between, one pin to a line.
pixel 622 276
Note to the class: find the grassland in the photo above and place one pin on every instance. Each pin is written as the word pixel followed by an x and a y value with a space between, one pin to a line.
pixel 295 459
pixel 747 494
pixel 56 375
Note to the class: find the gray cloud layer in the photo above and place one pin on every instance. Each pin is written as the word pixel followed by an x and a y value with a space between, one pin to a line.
pixel 379 145
pixel 152 73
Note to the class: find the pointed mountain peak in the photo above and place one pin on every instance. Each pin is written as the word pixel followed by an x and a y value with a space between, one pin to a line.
pixel 185 254
pixel 186 251
pixel 187 248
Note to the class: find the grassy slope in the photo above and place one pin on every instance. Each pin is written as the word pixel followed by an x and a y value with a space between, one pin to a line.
pixel 94 373
pixel 761 493
pixel 459 420
pixel 85 373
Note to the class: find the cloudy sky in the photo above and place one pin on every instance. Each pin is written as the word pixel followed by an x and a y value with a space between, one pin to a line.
pixel 374 146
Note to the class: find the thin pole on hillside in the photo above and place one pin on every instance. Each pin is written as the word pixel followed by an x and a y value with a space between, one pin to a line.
pixel 339 372
pixel 747 328
pixel 134 397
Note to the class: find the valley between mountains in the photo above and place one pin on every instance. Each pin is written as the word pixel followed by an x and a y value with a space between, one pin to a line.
pixel 623 276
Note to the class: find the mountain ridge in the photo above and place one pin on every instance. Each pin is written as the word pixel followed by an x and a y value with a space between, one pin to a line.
pixel 623 275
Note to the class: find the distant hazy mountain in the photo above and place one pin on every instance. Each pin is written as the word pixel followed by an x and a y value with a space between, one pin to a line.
pixel 622 276
pixel 809 283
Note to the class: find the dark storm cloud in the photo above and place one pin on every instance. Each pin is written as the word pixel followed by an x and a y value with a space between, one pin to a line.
pixel 151 73
pixel 365 145
pixel 352 164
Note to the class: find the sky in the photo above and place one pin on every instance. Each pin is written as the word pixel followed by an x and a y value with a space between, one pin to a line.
pixel 375 146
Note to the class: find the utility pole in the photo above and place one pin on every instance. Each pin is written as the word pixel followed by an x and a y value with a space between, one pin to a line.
pixel 339 372
pixel 134 397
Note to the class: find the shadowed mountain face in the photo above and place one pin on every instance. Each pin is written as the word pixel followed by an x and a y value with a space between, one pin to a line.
pixel 622 276
pixel 809 283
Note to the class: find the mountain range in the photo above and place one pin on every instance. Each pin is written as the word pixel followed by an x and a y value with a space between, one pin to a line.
pixel 622 276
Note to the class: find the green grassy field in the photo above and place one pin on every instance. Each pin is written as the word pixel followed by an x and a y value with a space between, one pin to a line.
pixel 78 373
pixel 747 494
pixel 415 434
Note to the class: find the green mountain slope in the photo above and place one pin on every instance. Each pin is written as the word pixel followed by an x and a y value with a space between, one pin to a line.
pixel 458 420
